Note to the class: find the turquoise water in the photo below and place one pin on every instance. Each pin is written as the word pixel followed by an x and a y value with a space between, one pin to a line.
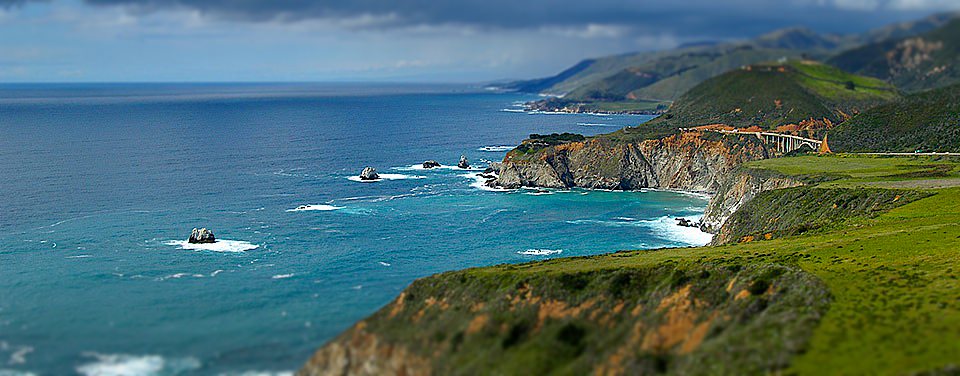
pixel 101 181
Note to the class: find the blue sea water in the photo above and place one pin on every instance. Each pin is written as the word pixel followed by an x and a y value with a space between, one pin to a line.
pixel 99 183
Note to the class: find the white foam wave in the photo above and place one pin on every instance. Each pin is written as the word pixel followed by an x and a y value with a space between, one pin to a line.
pixel 320 207
pixel 419 167
pixel 597 125
pixel 384 263
pixel 480 182
pixel 145 365
pixel 219 246
pixel 11 372
pixel 513 110
pixel 538 193
pixel 78 256
pixel 282 276
pixel 665 226
pixel 386 177
pixel 496 148
pixel 540 252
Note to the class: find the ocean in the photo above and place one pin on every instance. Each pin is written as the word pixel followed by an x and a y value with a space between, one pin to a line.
pixel 102 183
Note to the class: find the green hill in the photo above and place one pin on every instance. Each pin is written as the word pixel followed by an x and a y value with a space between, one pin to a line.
pixel 648 81
pixel 768 96
pixel 874 293
pixel 927 61
pixel 928 121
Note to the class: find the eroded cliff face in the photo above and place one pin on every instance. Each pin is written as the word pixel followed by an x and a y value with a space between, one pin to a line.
pixel 740 187
pixel 690 161
pixel 598 318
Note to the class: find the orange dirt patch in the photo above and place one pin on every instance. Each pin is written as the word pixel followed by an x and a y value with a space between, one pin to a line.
pixel 398 305
pixel 571 147
pixel 619 307
pixel 743 294
pixel 556 309
pixel 477 324
pixel 636 310
pixel 680 326
pixel 730 285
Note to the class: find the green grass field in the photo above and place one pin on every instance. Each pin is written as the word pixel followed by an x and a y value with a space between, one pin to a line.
pixel 872 294
pixel 893 278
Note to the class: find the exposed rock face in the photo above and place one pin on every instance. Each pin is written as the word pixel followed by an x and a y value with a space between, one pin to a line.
pixel 464 163
pixel 369 173
pixel 686 161
pixel 603 320
pixel 201 235
pixel 431 164
pixel 736 190
pixel 358 352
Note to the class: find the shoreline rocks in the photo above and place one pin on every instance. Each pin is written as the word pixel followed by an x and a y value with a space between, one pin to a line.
pixel 683 222
pixel 201 236
pixel 369 173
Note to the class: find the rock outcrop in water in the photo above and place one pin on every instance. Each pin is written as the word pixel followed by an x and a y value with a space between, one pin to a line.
pixel 431 164
pixel 201 236
pixel 369 173
pixel 690 161
pixel 464 163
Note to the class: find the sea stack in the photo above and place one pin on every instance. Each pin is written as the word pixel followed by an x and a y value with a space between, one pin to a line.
pixel 369 173
pixel 430 164
pixel 201 235
pixel 464 163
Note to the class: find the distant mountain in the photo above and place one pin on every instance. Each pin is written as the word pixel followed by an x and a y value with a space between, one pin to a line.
pixel 542 84
pixel 927 121
pixel 801 96
pixel 915 63
pixel 650 80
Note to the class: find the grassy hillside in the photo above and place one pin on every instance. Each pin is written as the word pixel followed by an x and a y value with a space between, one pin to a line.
pixel 769 96
pixel 875 294
pixel 631 82
pixel 928 121
pixel 666 78
pixel 926 61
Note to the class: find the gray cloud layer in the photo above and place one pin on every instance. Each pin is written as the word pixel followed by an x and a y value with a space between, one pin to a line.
pixel 718 19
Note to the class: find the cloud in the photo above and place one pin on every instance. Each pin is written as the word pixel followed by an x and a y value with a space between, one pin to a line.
pixel 596 18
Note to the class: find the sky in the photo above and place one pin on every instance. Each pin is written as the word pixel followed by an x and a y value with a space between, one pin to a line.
pixel 385 40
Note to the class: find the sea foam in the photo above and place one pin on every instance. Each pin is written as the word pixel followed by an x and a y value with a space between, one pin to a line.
pixel 480 182
pixel 386 177
pixel 320 207
pixel 540 252
pixel 665 226
pixel 219 246
pixel 496 148
pixel 122 365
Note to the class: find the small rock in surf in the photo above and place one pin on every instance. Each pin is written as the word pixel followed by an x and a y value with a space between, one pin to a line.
pixel 431 164
pixel 369 173
pixel 464 163
pixel 687 223
pixel 201 236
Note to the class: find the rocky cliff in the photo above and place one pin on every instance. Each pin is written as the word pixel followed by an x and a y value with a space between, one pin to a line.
pixel 618 314
pixel 690 161
pixel 741 186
